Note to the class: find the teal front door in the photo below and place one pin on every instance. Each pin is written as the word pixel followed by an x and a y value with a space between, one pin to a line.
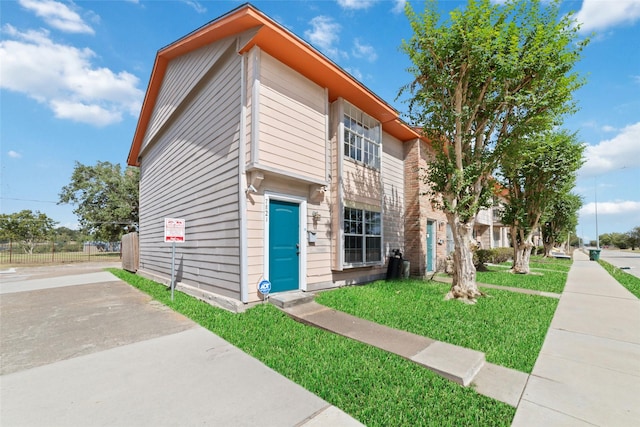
pixel 284 245
pixel 431 234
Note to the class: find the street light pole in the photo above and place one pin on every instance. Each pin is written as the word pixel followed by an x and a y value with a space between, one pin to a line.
pixel 596 205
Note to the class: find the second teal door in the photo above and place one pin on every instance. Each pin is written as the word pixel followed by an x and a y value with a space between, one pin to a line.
pixel 284 245
pixel 431 234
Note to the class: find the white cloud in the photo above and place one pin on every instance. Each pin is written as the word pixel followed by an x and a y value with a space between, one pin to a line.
pixel 607 128
pixel 621 151
pixel 85 113
pixel 64 78
pixel 601 14
pixel 623 207
pixel 398 6
pixel 355 73
pixel 195 5
pixel 356 4
pixel 364 51
pixel 324 35
pixel 14 154
pixel 57 15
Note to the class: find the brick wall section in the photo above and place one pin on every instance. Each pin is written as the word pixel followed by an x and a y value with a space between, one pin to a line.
pixel 419 209
pixel 414 249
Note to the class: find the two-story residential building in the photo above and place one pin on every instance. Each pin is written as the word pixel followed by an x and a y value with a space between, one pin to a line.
pixel 283 166
pixel 488 229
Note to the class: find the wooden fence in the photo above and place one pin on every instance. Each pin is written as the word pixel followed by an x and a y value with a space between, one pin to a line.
pixel 130 252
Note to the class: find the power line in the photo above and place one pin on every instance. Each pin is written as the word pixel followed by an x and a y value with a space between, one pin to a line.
pixel 33 200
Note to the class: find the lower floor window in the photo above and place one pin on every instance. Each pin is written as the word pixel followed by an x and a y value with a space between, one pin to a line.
pixel 362 236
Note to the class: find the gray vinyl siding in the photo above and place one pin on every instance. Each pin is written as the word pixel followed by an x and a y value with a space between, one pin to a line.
pixel 182 75
pixel 189 170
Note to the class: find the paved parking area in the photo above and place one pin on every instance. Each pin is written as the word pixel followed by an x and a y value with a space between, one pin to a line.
pixel 86 349
pixel 44 326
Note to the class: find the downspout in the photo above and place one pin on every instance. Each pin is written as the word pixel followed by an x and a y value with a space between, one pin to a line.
pixel 340 192
pixel 255 106
pixel 422 268
pixel 383 210
pixel 242 184
pixel 327 142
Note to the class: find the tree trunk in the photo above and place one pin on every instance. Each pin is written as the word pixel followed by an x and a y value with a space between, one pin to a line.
pixel 464 285
pixel 522 255
pixel 548 247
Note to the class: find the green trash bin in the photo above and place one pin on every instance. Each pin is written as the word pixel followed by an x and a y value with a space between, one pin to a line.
pixel 594 254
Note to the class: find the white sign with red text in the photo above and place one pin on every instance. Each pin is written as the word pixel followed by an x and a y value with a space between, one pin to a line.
pixel 174 229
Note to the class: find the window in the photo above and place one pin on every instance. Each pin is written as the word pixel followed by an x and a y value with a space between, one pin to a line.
pixel 497 237
pixel 361 137
pixel 362 236
pixel 450 243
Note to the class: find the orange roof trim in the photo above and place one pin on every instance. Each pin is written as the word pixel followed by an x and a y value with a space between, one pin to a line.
pixel 284 46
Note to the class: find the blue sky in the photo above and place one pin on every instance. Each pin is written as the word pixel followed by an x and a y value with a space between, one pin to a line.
pixel 73 76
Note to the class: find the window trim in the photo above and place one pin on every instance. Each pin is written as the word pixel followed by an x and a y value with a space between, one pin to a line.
pixel 361 141
pixel 363 237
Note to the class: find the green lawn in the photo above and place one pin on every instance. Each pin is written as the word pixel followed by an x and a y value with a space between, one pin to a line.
pixel 547 274
pixel 632 283
pixel 508 327
pixel 375 387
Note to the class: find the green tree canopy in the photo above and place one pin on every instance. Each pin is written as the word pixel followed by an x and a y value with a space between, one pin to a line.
pixel 26 227
pixel 634 238
pixel 560 219
pixel 620 240
pixel 489 75
pixel 65 234
pixel 536 171
pixel 106 199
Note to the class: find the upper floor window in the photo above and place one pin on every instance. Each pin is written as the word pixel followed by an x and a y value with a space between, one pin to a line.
pixel 361 137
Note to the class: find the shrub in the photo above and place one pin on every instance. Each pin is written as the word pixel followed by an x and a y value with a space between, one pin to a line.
pixel 494 256
pixel 502 255
pixel 481 257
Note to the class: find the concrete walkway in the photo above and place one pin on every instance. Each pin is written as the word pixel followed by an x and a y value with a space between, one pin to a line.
pixel 87 349
pixel 462 365
pixel 588 371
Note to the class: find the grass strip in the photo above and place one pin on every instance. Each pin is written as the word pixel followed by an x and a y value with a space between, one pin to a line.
pixel 548 281
pixel 538 262
pixel 631 282
pixel 373 386
pixel 508 327
pixel 547 275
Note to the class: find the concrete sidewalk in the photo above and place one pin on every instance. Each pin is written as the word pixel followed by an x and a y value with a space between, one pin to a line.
pixel 102 353
pixel 588 371
pixel 464 366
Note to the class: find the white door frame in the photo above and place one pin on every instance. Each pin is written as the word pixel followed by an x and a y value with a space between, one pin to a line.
pixel 302 259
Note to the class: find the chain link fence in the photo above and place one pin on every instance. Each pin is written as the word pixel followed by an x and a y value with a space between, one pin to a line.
pixel 49 252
